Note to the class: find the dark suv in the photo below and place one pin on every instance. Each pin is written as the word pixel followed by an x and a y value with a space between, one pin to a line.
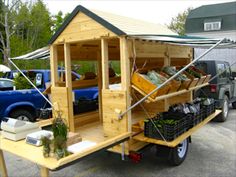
pixel 222 88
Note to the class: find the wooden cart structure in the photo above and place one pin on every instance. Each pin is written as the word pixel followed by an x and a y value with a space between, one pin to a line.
pixel 100 37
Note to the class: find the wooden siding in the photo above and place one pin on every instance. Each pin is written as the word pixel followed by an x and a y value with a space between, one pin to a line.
pixel 82 28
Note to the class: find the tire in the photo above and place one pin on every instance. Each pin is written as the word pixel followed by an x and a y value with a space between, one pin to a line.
pixel 162 151
pixel 22 114
pixel 178 154
pixel 225 110
pixel 234 105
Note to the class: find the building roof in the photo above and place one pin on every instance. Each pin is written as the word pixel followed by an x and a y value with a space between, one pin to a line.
pixel 117 24
pixel 213 10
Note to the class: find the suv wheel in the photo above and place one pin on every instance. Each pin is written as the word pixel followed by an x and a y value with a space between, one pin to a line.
pixel 234 105
pixel 225 110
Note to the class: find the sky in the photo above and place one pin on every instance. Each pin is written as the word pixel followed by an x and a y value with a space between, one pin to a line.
pixel 156 11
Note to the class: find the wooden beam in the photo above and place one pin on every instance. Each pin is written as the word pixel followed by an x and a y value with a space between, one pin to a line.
pixel 54 64
pixel 69 86
pixel 124 64
pixel 3 165
pixel 105 76
pixel 125 75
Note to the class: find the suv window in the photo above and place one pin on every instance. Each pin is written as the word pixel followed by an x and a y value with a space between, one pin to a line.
pixel 221 70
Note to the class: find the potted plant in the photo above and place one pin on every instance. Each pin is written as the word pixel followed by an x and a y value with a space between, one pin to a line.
pixel 60 131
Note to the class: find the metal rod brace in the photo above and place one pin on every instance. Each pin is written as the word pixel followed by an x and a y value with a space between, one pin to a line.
pixel 171 78
pixel 31 82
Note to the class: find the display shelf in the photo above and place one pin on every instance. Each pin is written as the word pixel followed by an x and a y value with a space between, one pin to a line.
pixel 174 143
pixel 170 94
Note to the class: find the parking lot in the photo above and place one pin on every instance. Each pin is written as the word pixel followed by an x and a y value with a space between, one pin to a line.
pixel 212 153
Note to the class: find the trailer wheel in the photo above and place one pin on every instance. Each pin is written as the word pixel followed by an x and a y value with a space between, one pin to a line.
pixel 225 110
pixel 22 114
pixel 178 153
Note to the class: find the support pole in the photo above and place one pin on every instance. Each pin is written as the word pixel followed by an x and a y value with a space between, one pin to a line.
pixel 31 83
pixel 44 172
pixel 3 165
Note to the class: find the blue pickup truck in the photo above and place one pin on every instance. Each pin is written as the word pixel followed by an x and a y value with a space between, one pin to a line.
pixel 25 104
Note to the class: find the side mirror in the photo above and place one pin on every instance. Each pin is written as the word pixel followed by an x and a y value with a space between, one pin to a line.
pixel 39 79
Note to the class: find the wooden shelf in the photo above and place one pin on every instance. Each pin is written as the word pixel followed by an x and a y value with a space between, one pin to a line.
pixel 44 123
pixel 174 143
pixel 170 94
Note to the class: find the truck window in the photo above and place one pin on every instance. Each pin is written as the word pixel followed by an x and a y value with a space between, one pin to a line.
pixel 221 70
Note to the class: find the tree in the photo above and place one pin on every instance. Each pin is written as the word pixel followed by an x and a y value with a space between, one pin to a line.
pixel 5 21
pixel 177 23
pixel 58 20
pixel 23 27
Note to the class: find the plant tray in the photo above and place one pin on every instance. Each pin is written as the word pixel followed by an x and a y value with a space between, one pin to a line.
pixel 169 132
pixel 196 119
pixel 208 110
pixel 147 86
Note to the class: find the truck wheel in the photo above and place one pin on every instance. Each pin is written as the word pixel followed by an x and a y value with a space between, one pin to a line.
pixel 178 153
pixel 234 105
pixel 225 110
pixel 22 114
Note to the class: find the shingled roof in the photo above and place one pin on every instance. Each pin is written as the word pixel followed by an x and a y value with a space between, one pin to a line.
pixel 117 24
pixel 213 10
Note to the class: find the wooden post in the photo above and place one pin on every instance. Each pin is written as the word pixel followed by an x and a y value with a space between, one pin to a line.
pixel 166 63
pixel 69 86
pixel 105 76
pixel 44 172
pixel 125 75
pixel 99 75
pixel 3 165
pixel 54 65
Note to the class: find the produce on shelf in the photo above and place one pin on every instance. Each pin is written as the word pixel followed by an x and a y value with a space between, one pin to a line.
pixel 194 73
pixel 171 70
pixel 156 78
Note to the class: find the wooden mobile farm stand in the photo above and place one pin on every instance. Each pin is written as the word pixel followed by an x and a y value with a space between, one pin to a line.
pixel 101 37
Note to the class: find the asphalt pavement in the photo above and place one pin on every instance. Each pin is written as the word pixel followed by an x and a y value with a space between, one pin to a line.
pixel 212 153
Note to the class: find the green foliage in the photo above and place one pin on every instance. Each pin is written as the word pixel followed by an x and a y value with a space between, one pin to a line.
pixel 58 20
pixel 21 83
pixel 178 23
pixel 60 131
pixel 32 64
pixel 32 28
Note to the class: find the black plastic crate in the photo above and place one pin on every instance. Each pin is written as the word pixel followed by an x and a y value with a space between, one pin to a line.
pixel 169 132
pixel 195 119
pixel 208 109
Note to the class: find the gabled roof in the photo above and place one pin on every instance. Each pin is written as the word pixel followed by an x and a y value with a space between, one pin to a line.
pixel 214 10
pixel 119 25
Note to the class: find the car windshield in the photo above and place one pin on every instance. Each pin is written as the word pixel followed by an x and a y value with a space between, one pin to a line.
pixel 6 83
